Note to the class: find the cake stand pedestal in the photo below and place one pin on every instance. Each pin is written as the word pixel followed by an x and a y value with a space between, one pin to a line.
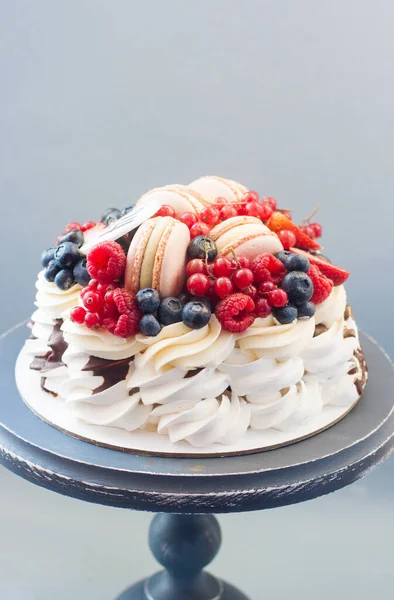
pixel 186 492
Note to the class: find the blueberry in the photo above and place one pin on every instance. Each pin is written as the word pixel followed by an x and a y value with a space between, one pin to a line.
pixel 106 213
pixel 149 325
pixel 64 279
pixel 296 262
pixel 124 242
pixel 113 216
pixel 80 273
pixel 299 287
pixel 285 315
pixel 306 310
pixel 128 209
pixel 170 311
pixel 67 255
pixel 204 301
pixel 148 300
pixel 51 271
pixel 282 255
pixel 47 256
pixel 201 247
pixel 196 314
pixel 75 236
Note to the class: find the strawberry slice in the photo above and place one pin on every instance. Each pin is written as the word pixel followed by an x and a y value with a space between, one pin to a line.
pixel 336 274
pixel 278 221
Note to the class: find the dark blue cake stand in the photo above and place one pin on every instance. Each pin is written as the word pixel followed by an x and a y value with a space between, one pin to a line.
pixel 185 536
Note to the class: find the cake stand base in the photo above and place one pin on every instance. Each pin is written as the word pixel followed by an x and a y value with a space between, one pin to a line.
pixel 184 545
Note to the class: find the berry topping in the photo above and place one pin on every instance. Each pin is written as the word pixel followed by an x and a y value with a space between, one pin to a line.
pixel 223 267
pixel 202 247
pixel 210 215
pixel 271 201
pixel 196 314
pixel 198 284
pixel 199 229
pixel 166 211
pixel 322 285
pixel 251 291
pixel 309 231
pixel 149 325
pixel 277 298
pixel 242 278
pixel 285 315
pixel 197 265
pixel 128 324
pixel 80 272
pixel 189 219
pixel 252 209
pixel 219 201
pixel 92 320
pixel 123 301
pixel 265 211
pixel 278 221
pixel 288 238
pixel 111 216
pixel 93 301
pixel 299 287
pixel 77 314
pixel 64 279
pixel 296 262
pixel 336 274
pixel 147 300
pixel 306 310
pixel 227 212
pixel 262 308
pixel 317 229
pixel 266 287
pixel 170 311
pixel 222 287
pixel 88 225
pixel 106 262
pixel 241 262
pixel 67 255
pixel 282 255
pixel 235 312
pixel 266 262
pixel 250 196
pixel 47 256
pixel 75 236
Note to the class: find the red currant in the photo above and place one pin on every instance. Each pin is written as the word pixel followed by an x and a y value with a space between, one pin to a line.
pixel 271 201
pixel 72 225
pixel 223 287
pixel 188 219
pixel 210 215
pixel 93 283
pixel 277 298
pixel 242 278
pixel 243 262
pixel 265 211
pixel 262 308
pixel 166 211
pixel 198 284
pixel 93 301
pixel 199 229
pixel 88 225
pixel 250 196
pixel 287 238
pixel 308 230
pixel 109 310
pixel 103 288
pixel 109 297
pixel 227 212
pixel 252 209
pixel 223 267
pixel 318 229
pixel 251 291
pixel 220 201
pixel 92 320
pixel 287 214
pixel 197 265
pixel 77 314
pixel 266 287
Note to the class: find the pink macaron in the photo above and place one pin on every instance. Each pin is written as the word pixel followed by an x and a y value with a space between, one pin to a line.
pixel 246 236
pixel 179 197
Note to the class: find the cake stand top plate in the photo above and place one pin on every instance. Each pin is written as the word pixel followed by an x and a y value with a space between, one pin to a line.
pixel 332 459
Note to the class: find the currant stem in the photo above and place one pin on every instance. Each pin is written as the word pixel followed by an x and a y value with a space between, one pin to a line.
pixel 314 211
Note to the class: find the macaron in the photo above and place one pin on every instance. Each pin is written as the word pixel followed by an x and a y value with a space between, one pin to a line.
pixel 157 257
pixel 211 187
pixel 180 197
pixel 247 236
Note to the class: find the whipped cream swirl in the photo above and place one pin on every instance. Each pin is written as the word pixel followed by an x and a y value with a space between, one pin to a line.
pixel 99 342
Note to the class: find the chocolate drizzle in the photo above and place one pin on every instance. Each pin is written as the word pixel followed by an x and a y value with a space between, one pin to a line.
pixel 319 329
pixel 347 333
pixel 348 312
pixel 112 371
pixel 53 358
pixel 360 382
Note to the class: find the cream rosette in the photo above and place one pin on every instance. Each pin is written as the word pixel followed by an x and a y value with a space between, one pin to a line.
pixel 332 308
pixel 52 301
pixel 223 421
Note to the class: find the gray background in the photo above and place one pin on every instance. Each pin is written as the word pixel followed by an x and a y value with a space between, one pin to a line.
pixel 101 100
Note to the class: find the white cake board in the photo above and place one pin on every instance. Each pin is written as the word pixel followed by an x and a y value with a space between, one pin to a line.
pixel 53 410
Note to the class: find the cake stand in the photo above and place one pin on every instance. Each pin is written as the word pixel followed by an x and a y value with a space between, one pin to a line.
pixel 185 536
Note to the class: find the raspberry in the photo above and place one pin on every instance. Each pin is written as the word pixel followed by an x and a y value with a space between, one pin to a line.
pixel 235 312
pixel 124 301
pixel 110 324
pixel 266 262
pixel 128 325
pixel 106 262
pixel 322 286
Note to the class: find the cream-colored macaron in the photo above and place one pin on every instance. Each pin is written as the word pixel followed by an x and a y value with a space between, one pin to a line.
pixel 157 257
pixel 246 236
pixel 179 197
pixel 211 187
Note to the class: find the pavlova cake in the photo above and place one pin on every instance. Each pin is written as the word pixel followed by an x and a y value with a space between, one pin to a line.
pixel 202 317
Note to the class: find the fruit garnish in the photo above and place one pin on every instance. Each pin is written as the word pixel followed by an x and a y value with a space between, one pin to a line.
pixel 149 325
pixel 202 247
pixel 147 300
pixel 210 215
pixel 298 286
pixel 277 298
pixel 265 265
pixel 199 229
pixel 285 315
pixel 189 219
pixel 124 301
pixel 198 284
pixel 262 308
pixel 77 314
pixel 222 287
pixel 336 274
pixel 196 314
pixel 242 278
pixel 313 230
pixel 236 312
pixel 166 211
pixel 287 237
pixel 106 262
pixel 322 285
pixel 278 222
pixel 170 311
